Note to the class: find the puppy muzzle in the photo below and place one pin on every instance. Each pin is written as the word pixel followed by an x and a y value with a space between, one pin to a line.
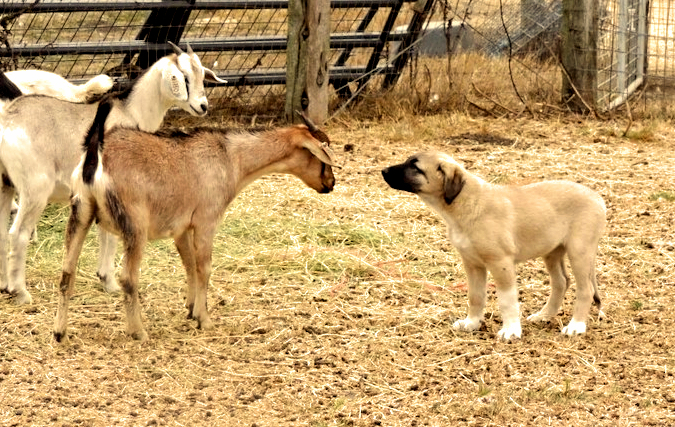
pixel 396 178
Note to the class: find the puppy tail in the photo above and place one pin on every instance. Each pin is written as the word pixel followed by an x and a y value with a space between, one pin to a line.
pixel 596 299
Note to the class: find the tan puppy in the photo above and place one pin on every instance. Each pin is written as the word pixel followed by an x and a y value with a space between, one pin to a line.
pixel 494 227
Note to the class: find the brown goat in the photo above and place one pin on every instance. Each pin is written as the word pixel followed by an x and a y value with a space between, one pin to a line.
pixel 143 187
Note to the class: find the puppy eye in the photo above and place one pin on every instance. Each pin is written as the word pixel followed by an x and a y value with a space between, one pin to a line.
pixel 416 170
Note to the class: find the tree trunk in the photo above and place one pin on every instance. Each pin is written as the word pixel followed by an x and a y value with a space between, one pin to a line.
pixel 307 54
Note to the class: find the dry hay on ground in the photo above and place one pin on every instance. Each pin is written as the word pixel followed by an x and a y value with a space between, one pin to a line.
pixel 337 309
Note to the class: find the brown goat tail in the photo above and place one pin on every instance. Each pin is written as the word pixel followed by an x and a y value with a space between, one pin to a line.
pixel 8 90
pixel 93 142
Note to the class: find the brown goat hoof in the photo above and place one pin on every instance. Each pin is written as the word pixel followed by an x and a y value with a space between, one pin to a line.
pixel 60 337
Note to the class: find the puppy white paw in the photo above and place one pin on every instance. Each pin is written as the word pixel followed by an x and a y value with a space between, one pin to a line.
pixel 539 317
pixel 510 332
pixel 574 327
pixel 466 324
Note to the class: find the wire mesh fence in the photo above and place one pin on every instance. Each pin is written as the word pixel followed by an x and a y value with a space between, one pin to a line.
pixel 621 50
pixel 661 51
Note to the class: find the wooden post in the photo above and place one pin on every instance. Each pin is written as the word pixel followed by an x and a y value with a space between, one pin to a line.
pixel 307 52
pixel 579 33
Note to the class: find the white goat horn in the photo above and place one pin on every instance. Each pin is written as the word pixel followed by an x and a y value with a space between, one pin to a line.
pixel 189 49
pixel 176 49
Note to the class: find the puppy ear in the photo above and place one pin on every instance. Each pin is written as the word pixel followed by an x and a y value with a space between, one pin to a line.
pixel 453 182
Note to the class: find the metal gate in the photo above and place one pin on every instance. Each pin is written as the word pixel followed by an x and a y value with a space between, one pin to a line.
pixel 622 49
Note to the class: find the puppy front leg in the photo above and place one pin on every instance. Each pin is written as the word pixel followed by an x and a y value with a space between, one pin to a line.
pixel 507 296
pixel 477 277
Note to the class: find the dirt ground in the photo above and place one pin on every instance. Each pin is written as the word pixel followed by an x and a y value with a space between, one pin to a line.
pixel 336 310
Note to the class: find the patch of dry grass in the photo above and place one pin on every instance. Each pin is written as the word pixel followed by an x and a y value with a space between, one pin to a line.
pixel 469 82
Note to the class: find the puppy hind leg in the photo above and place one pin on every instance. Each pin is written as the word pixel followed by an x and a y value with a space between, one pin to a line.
pixel 477 278
pixel 555 265
pixel 583 267
pixel 507 296
pixel 596 297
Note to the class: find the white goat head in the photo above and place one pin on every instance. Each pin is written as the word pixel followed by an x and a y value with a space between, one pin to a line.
pixel 183 81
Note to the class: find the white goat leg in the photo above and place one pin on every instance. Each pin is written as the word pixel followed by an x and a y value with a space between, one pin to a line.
pixel 25 221
pixel 106 260
pixel 5 208
pixel 14 210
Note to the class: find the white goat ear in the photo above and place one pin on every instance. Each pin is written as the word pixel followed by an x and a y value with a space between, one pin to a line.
pixel 210 76
pixel 322 153
pixel 174 81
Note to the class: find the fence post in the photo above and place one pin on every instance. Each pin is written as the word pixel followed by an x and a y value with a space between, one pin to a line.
pixel 579 33
pixel 307 54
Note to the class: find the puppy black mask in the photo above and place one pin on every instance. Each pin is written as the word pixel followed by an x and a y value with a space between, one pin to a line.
pixel 404 176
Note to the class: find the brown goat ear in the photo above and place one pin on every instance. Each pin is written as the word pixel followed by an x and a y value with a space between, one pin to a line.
pixel 321 152
pixel 453 182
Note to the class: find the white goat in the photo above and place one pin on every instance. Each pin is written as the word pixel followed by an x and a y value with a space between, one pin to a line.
pixel 42 143
pixel 145 187
pixel 39 82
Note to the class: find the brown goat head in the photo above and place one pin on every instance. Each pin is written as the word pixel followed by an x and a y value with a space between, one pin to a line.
pixel 311 160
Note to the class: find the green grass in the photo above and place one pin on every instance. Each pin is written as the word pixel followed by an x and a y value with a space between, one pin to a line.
pixel 663 195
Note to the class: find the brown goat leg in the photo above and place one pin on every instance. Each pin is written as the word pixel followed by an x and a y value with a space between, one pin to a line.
pixel 185 246
pixel 129 282
pixel 203 241
pixel 79 222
